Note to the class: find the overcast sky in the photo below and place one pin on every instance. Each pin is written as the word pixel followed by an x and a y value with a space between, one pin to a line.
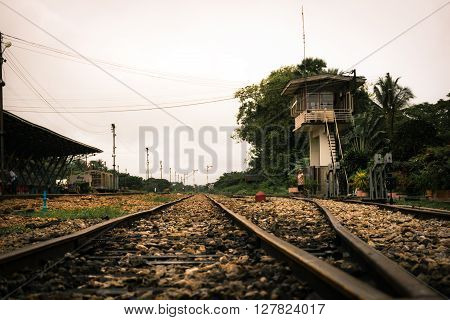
pixel 186 52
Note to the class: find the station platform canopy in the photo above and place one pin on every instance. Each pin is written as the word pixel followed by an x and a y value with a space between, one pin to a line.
pixel 24 139
pixel 38 156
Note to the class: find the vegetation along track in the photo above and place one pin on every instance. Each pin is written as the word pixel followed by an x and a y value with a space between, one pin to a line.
pixel 186 250
pixel 419 242
pixel 303 224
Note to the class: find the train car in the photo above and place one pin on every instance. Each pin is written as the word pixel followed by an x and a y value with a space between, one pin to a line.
pixel 96 180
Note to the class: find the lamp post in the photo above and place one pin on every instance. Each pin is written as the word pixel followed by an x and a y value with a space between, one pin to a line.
pixel 207 171
pixel 193 177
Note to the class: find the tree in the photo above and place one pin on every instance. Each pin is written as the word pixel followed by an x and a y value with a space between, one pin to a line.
pixel 437 114
pixel 98 165
pixel 431 169
pixel 412 137
pixel 391 98
pixel 363 140
pixel 312 66
pixel 265 122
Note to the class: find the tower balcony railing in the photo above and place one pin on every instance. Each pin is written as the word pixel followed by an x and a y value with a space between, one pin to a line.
pixel 317 116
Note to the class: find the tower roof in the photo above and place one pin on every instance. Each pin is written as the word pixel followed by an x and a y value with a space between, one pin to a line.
pixel 321 82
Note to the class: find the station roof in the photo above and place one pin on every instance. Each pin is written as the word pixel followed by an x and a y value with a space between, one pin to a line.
pixel 320 82
pixel 25 139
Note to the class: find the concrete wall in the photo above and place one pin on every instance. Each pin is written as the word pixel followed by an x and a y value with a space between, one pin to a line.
pixel 319 152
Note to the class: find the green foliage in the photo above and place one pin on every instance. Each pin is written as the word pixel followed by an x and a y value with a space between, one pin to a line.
pixel 425 203
pixel 363 140
pixel 431 169
pixel 83 213
pixel 361 180
pixel 229 179
pixel 160 185
pixel 130 182
pixel 391 98
pixel 411 137
pixel 311 186
pixel 355 160
pixel 98 165
pixel 13 229
pixel 266 124
pixel 235 183
pixel 437 114
pixel 312 66
pixel 77 166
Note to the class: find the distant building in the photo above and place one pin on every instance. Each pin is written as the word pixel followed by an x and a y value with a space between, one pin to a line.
pixel 321 105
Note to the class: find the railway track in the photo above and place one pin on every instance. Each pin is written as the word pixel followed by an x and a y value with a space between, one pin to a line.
pixel 418 242
pixel 184 249
pixel 423 212
pixel 308 226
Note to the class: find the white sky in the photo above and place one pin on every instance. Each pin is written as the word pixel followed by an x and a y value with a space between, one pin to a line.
pixel 207 49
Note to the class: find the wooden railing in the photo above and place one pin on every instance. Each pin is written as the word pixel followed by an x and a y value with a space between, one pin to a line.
pixel 321 115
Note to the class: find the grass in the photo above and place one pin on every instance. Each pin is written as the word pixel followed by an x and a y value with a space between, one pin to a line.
pixel 425 203
pixel 12 229
pixel 82 213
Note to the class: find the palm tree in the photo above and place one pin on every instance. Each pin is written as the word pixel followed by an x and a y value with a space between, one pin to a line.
pixel 367 135
pixel 391 98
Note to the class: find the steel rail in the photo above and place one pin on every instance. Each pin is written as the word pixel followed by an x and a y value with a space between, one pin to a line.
pixel 38 254
pixel 422 211
pixel 403 283
pixel 328 280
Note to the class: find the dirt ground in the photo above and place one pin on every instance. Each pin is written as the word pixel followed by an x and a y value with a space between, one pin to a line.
pixel 23 223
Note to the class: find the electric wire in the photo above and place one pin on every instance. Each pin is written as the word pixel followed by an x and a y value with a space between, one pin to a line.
pixel 144 72
pixel 22 76
pixel 123 83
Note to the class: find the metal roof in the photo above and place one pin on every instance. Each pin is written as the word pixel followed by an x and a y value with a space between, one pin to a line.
pixel 320 82
pixel 25 139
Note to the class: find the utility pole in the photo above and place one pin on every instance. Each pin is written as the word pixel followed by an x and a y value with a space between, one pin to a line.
pixel 193 177
pixel 2 132
pixel 113 129
pixel 160 169
pixel 207 171
pixel 148 170
pixel 184 178
pixel 170 175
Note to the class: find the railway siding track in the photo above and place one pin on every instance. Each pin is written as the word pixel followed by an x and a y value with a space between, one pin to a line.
pixel 292 220
pixel 401 280
pixel 419 243
pixel 425 212
pixel 326 278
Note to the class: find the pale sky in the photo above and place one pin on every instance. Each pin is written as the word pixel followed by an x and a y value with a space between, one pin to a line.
pixel 197 51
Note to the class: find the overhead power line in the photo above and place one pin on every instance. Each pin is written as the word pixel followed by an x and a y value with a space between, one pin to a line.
pixel 144 72
pixel 123 110
pixel 22 73
pixel 123 83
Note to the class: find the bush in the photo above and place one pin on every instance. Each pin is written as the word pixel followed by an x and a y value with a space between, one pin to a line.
pixel 361 180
